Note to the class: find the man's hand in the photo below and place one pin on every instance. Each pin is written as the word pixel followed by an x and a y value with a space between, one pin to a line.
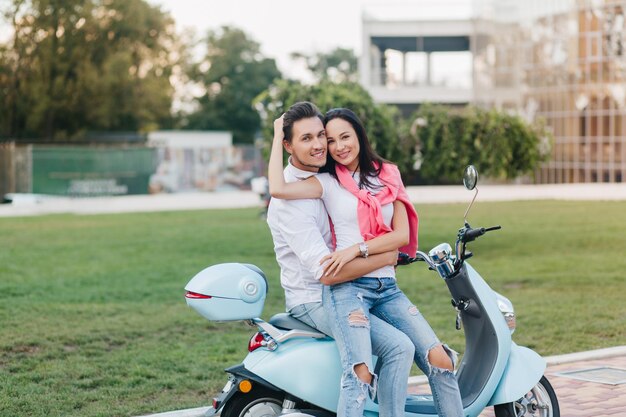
pixel 392 257
pixel 336 260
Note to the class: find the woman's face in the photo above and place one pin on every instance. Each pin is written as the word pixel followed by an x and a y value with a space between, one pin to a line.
pixel 343 143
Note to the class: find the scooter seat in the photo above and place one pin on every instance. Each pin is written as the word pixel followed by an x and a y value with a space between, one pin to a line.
pixel 286 321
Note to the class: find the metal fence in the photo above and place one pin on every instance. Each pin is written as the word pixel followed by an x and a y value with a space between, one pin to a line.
pixel 7 170
pixel 15 168
pixel 75 170
pixel 91 170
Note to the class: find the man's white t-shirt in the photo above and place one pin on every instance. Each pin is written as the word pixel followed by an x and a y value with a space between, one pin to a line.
pixel 301 233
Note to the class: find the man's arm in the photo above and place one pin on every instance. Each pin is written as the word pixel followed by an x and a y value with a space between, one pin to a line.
pixel 360 267
pixel 299 228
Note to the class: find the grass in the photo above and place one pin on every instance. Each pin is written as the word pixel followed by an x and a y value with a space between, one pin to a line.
pixel 93 320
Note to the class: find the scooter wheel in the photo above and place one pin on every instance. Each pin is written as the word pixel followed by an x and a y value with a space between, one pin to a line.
pixel 256 403
pixel 540 401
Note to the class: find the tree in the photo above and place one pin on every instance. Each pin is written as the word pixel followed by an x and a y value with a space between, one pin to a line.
pixel 77 65
pixel 380 120
pixel 233 73
pixel 338 65
pixel 499 144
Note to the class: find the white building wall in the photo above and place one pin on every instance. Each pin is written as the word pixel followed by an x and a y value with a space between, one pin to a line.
pixel 193 160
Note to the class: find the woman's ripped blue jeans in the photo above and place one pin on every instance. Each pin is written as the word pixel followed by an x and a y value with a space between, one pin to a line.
pixel 351 307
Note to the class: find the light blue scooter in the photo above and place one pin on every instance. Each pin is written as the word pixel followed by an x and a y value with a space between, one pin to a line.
pixel 293 369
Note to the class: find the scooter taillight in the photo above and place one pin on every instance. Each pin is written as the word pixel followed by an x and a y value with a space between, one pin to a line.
pixel 256 342
pixel 195 295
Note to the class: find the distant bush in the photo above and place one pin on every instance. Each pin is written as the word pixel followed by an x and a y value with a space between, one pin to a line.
pixel 499 144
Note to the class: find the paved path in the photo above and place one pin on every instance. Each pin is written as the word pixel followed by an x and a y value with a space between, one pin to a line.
pixel 30 205
pixel 581 398
pixel 576 398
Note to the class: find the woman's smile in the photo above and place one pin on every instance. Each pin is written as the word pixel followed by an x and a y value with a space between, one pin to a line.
pixel 343 143
pixel 342 154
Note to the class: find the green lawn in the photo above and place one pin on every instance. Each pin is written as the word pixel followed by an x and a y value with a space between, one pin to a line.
pixel 93 320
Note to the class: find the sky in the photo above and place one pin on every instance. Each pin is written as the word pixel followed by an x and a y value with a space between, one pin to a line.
pixel 285 26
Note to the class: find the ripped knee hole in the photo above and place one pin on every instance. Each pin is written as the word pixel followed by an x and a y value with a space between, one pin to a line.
pixel 363 373
pixel 439 357
pixel 358 318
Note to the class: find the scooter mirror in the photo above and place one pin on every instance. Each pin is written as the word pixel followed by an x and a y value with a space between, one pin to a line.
pixel 470 177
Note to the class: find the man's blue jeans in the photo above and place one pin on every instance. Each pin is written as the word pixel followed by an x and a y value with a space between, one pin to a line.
pixel 353 308
pixel 394 349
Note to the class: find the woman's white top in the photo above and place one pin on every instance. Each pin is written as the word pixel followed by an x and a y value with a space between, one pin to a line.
pixel 342 209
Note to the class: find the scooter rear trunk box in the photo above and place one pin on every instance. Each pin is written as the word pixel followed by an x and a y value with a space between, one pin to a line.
pixel 228 292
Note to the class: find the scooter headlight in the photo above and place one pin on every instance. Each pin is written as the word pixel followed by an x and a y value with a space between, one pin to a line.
pixel 506 308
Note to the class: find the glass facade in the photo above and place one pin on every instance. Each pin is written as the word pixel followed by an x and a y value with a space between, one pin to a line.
pixel 563 61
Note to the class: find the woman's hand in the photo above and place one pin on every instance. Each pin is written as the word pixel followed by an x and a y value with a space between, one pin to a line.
pixel 278 187
pixel 279 135
pixel 336 260
pixel 276 179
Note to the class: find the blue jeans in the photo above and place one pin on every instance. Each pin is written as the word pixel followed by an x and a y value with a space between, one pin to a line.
pixel 352 308
pixel 394 349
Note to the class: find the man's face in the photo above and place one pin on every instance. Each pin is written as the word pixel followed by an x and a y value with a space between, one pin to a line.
pixel 308 144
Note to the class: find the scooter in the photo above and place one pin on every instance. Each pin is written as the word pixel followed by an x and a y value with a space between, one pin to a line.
pixel 292 369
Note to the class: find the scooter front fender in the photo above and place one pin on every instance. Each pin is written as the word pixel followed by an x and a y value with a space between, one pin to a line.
pixel 523 370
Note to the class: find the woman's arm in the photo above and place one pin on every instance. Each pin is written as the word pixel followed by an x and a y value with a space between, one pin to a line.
pixel 360 267
pixel 393 240
pixel 309 188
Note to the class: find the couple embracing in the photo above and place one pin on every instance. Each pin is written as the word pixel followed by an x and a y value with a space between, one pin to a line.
pixel 338 216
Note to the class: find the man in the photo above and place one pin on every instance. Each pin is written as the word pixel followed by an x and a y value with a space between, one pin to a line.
pixel 301 228
pixel 301 233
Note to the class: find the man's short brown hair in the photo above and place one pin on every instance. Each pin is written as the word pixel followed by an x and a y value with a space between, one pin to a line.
pixel 300 110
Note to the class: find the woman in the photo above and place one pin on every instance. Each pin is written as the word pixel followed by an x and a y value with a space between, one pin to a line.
pixel 371 213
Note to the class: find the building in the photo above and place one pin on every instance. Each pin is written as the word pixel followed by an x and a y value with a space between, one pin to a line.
pixel 406 51
pixel 189 160
pixel 563 61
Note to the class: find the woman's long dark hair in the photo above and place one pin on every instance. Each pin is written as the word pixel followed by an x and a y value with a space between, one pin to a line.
pixel 370 163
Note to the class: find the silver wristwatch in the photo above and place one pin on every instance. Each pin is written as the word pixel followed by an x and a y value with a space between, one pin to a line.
pixel 363 249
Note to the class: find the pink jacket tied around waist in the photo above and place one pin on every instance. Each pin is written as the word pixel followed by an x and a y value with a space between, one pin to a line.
pixel 369 212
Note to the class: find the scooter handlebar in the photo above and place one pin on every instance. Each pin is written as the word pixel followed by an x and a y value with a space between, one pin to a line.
pixel 471 234
pixel 403 259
